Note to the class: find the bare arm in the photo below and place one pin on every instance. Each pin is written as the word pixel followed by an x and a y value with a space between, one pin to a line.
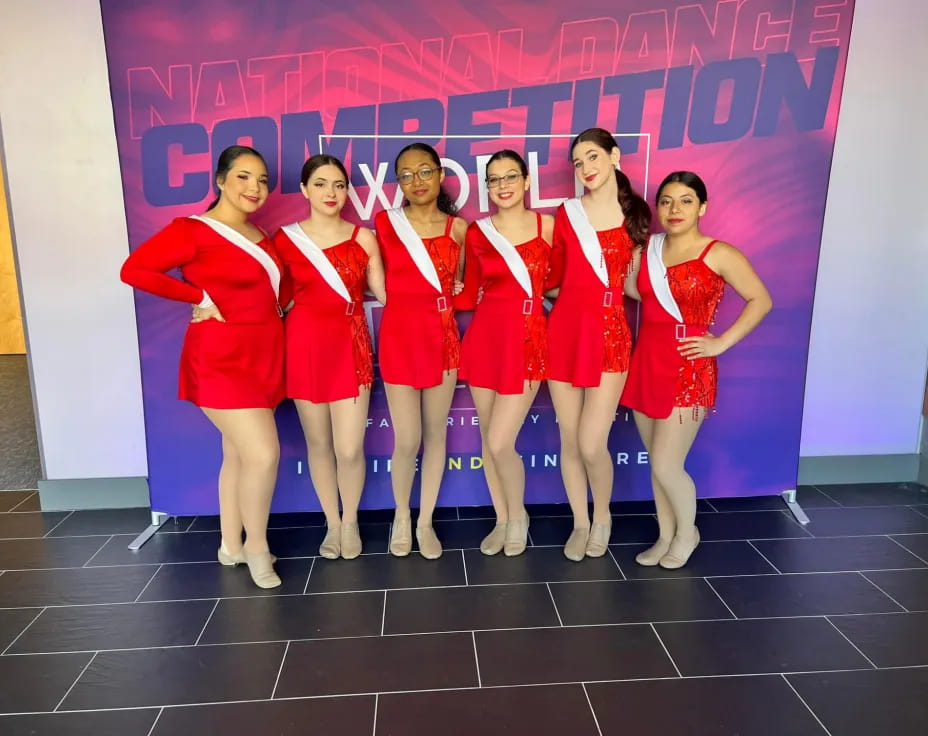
pixel 732 265
pixel 631 278
pixel 375 271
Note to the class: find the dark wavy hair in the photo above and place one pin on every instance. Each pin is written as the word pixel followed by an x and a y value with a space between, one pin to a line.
pixel 636 210
pixel 507 154
pixel 227 160
pixel 687 179
pixel 445 202
pixel 317 162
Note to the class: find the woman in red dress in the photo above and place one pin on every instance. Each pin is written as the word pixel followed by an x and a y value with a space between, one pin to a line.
pixel 504 352
pixel 672 379
pixel 419 346
pixel 588 337
pixel 232 360
pixel 329 364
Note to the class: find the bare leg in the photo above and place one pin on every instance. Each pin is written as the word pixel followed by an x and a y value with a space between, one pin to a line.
pixel 253 435
pixel 666 523
pixel 671 442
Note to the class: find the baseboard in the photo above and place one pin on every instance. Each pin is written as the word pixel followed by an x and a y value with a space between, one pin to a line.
pixel 861 469
pixel 93 493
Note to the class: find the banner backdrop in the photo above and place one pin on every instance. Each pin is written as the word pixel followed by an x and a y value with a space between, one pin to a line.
pixel 744 92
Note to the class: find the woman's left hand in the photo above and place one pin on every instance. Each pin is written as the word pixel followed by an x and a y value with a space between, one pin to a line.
pixel 457 287
pixel 704 346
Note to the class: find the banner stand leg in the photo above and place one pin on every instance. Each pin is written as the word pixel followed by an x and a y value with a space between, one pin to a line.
pixel 158 518
pixel 789 498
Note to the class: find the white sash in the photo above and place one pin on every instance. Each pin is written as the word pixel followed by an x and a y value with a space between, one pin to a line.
pixel 657 272
pixel 252 249
pixel 414 245
pixel 509 253
pixel 589 241
pixel 308 247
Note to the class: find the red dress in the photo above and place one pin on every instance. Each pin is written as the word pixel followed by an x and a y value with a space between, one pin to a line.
pixel 418 340
pixel 506 342
pixel 236 364
pixel 588 332
pixel 329 353
pixel 661 379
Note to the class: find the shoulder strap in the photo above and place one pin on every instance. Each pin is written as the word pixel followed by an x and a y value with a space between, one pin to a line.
pixel 538 215
pixel 706 250
pixel 449 225
pixel 354 233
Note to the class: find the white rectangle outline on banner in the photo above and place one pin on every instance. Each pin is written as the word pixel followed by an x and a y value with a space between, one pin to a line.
pixel 519 136
pixel 416 136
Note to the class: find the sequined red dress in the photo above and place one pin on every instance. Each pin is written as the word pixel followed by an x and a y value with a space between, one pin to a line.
pixel 236 364
pixel 418 340
pixel 506 342
pixel 329 353
pixel 660 379
pixel 588 332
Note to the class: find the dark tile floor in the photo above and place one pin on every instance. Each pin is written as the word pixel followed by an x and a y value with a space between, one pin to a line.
pixel 772 629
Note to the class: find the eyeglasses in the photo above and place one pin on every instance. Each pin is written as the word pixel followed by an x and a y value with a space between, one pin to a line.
pixel 508 179
pixel 407 177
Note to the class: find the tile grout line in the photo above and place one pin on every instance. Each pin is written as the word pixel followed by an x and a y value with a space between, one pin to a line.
pixel 473 638
pixel 666 651
pixel 376 703
pixel 553 603
pixel 208 619
pixel 8 646
pixel 139 596
pixel 110 539
pixel 309 575
pixel 22 502
pixel 870 661
pixel 724 603
pixel 709 502
pixel 616 562
pixel 68 516
pixel 280 670
pixel 383 619
pixel 803 701
pixel 64 697
pixel 830 498
pixel 904 609
pixel 590 703
pixel 896 541
pixel 467 687
pixel 157 718
pixel 464 562
pixel 913 507
pixel 754 547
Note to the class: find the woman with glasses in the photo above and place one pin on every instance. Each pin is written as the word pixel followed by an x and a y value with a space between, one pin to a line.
pixel 589 341
pixel 504 353
pixel 419 345
pixel 329 361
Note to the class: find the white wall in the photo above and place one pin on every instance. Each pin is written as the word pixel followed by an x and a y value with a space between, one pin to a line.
pixel 69 231
pixel 870 327
pixel 869 352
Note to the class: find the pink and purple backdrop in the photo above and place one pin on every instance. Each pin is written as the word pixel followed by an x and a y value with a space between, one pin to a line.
pixel 744 92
